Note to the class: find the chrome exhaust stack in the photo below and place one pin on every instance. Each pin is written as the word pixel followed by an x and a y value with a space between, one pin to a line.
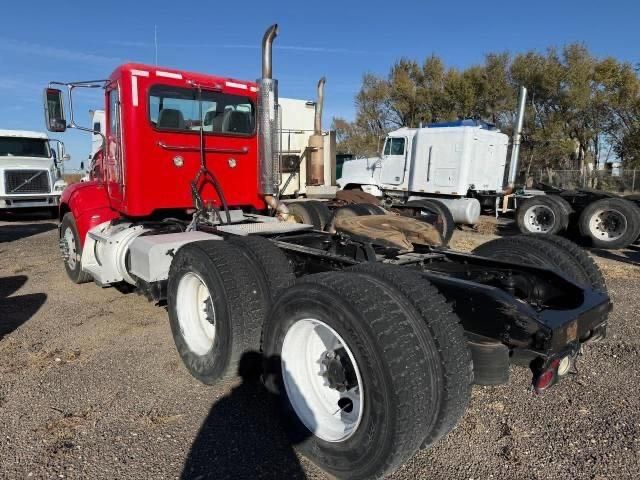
pixel 268 123
pixel 267 119
pixel 517 136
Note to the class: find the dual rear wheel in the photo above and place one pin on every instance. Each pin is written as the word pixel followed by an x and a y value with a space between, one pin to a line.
pixel 610 222
pixel 369 363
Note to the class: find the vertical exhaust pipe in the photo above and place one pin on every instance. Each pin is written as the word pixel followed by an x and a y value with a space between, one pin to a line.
pixel 317 124
pixel 517 136
pixel 267 122
pixel 315 159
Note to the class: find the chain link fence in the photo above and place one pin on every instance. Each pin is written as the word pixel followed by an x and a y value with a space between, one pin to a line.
pixel 627 181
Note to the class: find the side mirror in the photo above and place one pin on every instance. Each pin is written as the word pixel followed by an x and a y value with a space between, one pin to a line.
pixel 54 110
pixel 66 157
pixel 81 165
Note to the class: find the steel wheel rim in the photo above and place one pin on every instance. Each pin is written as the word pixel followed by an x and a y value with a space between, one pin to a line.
pixel 71 253
pixel 329 414
pixel 539 219
pixel 607 225
pixel 196 313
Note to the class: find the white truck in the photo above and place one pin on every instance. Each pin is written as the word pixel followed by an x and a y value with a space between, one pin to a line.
pixel 30 171
pixel 461 164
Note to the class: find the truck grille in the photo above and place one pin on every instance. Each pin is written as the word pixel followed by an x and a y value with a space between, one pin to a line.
pixel 26 181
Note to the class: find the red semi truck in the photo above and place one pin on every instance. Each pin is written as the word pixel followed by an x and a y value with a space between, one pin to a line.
pixel 373 340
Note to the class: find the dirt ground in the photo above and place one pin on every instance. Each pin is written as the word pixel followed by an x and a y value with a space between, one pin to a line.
pixel 91 387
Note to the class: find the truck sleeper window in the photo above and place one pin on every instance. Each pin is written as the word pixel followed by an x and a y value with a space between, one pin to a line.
pixel 173 108
pixel 24 147
pixel 394 146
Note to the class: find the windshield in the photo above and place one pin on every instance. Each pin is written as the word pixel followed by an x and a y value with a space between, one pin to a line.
pixel 172 108
pixel 24 147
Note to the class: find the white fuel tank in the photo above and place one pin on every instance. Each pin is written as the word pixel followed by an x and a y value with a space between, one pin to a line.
pixel 464 210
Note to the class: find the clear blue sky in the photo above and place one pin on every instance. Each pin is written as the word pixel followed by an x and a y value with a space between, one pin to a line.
pixel 42 41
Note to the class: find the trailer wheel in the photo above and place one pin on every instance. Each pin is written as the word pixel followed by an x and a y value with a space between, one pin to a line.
pixel 72 250
pixel 540 251
pixel 610 223
pixel 448 335
pixel 445 223
pixel 541 214
pixel 357 372
pixel 273 264
pixel 216 303
pixel 302 212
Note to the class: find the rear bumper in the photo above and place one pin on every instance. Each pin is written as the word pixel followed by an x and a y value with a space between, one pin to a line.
pixel 29 201
pixel 502 330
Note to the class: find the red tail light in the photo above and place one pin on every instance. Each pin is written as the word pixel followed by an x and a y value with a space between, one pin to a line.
pixel 547 377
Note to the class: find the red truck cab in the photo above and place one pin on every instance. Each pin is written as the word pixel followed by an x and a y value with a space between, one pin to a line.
pixel 152 152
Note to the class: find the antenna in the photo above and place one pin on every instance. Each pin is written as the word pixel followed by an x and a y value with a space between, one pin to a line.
pixel 155 41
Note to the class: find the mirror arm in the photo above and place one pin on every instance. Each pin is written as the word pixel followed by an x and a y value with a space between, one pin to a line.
pixel 84 84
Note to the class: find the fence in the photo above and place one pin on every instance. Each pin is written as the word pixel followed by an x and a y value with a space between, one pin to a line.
pixel 626 181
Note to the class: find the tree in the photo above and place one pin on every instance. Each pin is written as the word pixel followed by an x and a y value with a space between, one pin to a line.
pixel 580 109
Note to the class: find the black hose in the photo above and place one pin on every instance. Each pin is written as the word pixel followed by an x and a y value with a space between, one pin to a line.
pixel 203 169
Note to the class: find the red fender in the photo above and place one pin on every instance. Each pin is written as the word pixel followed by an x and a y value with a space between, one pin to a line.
pixel 89 204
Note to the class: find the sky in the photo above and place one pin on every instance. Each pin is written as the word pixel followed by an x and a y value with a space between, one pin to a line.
pixel 44 41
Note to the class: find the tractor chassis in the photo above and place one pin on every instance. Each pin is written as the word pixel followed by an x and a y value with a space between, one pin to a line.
pixel 511 313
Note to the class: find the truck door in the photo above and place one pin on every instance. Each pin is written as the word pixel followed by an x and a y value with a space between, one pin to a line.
pixel 113 154
pixel 394 159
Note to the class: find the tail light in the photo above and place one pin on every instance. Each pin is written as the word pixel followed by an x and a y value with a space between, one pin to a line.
pixel 545 378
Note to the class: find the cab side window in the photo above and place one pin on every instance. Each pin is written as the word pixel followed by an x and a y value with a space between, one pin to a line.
pixel 394 146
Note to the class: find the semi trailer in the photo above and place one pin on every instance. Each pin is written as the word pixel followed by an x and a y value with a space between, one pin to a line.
pixel 372 332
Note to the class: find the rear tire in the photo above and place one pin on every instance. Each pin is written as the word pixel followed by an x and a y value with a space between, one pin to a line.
pixel 72 264
pixel 445 224
pixel 324 214
pixel 566 209
pixel 542 214
pixel 610 223
pixel 538 250
pixel 582 259
pixel 374 209
pixel 217 301
pixel 305 213
pixel 448 334
pixel 273 264
pixel 385 349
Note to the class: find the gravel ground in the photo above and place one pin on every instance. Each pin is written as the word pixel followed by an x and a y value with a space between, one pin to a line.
pixel 91 387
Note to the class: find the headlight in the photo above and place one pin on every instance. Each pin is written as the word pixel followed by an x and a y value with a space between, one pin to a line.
pixel 59 187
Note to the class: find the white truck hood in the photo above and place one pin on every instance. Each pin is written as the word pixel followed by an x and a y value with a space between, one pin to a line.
pixel 28 163
pixel 360 171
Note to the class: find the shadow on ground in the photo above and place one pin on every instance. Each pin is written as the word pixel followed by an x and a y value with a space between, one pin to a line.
pixel 11 233
pixel 630 255
pixel 243 436
pixel 16 310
